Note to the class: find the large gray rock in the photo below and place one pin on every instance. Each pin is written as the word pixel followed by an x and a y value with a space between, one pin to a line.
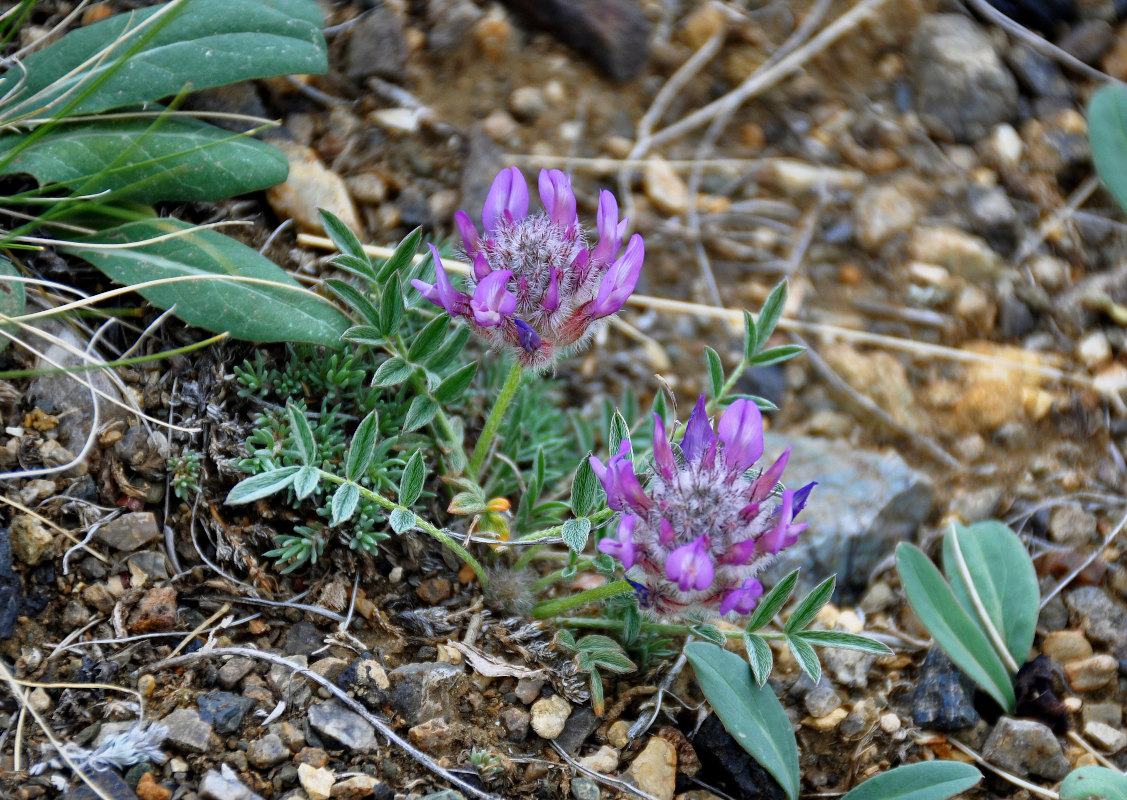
pixel 1024 747
pixel 378 46
pixel 425 691
pixel 962 87
pixel 1104 620
pixel 865 503
pixel 341 725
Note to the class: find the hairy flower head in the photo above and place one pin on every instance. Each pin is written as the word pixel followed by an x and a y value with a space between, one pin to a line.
pixel 697 530
pixel 536 288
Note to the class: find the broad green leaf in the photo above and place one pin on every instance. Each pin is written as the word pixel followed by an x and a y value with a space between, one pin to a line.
pixel 13 297
pixel 428 339
pixel 201 43
pixel 1092 781
pixel 770 314
pixel 845 641
pixel 345 499
pixel 411 484
pixel 455 384
pixel 262 485
pixel 147 160
pixel 806 657
pixel 363 446
pixel 751 713
pixel 811 605
pixel 279 312
pixel 344 239
pixel 954 630
pixel 401 520
pixel 1107 132
pixel 392 372
pixel 583 488
pixel 760 657
pixel 305 482
pixel 575 533
pixel 302 434
pixel 1004 578
pixel 772 603
pixel 926 780
pixel 421 412
pixel 775 355
pixel 358 302
pixel 402 256
pixel 715 371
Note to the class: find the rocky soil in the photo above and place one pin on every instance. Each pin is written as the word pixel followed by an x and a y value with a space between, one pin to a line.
pixel 924 183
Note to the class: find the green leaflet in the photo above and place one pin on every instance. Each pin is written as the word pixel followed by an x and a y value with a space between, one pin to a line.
pixel 255 312
pixel 1107 132
pixel 927 780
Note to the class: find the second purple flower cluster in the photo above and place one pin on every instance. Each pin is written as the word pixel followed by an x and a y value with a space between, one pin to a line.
pixel 536 287
pixel 702 527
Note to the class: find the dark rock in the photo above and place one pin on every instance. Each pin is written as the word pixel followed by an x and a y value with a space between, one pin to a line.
pixel 991 212
pixel 224 711
pixel 302 639
pixel 1038 74
pixel 11 588
pixel 1088 41
pixel 424 691
pixel 515 720
pixel 963 89
pixel 579 726
pixel 108 781
pixel 187 731
pixel 1036 696
pixel 377 46
pixel 414 210
pixel 864 504
pixel 367 680
pixel 615 34
pixel 944 698
pixel 1015 318
pixel 1026 747
pixel 729 767
pixel 1043 15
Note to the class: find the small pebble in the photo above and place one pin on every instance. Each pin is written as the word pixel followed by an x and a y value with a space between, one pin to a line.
pixel 1066 646
pixel 527 103
pixel 549 714
pixel 1071 524
pixel 618 734
pixel 316 781
pixel 821 700
pixel 889 723
pixel 584 789
pixel 1091 673
pixel 654 770
pixel 146 685
pixel 828 722
pixel 1111 739
pixel 605 760
pixel 665 188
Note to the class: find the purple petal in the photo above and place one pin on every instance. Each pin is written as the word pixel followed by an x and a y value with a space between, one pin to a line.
pixel 481 268
pixel 742 600
pixel 610 236
pixel 620 280
pixel 551 299
pixel 528 338
pixel 784 534
pixel 507 200
pixel 766 482
pixel 801 496
pixel 621 547
pixel 442 291
pixel 466 227
pixel 663 453
pixel 666 534
pixel 690 566
pixel 698 433
pixel 624 492
pixel 741 431
pixel 492 302
pixel 557 197
pixel 740 552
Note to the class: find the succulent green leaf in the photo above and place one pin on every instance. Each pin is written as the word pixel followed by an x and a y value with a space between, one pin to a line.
pixel 954 630
pixel 751 714
pixel 146 160
pixel 279 312
pixel 926 780
pixel 1003 577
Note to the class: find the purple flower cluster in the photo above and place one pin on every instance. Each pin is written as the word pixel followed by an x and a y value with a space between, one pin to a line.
pixel 536 287
pixel 702 527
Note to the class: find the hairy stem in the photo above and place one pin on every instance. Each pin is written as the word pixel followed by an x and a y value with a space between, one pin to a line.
pixel 493 421
pixel 551 608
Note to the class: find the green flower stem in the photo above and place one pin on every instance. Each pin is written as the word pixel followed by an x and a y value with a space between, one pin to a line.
pixel 420 523
pixel 530 553
pixel 555 575
pixel 121 362
pixel 729 384
pixel 494 420
pixel 441 423
pixel 551 608
pixel 651 627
